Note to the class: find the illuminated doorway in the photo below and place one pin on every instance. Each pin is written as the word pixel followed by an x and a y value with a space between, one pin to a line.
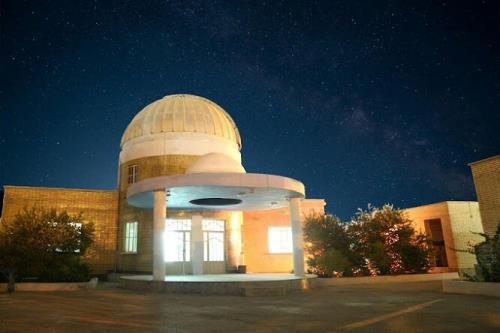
pixel 177 246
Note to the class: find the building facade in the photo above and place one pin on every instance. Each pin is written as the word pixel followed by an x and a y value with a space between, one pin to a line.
pixel 452 227
pixel 184 202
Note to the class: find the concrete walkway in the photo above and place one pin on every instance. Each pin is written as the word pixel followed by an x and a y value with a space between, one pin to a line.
pixel 405 307
pixel 250 277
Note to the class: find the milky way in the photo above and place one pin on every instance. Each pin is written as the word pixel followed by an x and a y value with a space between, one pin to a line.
pixel 363 102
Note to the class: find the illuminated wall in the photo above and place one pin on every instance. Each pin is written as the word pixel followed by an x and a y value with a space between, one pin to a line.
pixel 486 174
pixel 100 207
pixel 246 237
pixel 147 167
pixel 460 220
pixel 255 227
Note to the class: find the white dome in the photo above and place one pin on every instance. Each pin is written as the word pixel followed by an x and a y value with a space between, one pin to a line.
pixel 180 125
pixel 182 113
pixel 215 163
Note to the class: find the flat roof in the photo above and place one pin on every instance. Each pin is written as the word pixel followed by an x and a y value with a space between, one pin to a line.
pixel 441 202
pixel 484 160
pixel 57 188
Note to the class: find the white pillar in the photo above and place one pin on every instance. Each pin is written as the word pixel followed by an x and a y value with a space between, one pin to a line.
pixel 159 215
pixel 235 244
pixel 297 239
pixel 197 244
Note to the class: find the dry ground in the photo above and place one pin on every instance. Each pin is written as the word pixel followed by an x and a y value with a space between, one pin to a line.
pixel 407 307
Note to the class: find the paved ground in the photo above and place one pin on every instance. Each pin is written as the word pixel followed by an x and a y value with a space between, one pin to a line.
pixel 409 307
pixel 221 277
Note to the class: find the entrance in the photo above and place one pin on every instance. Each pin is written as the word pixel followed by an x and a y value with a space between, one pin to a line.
pixel 434 231
pixel 177 246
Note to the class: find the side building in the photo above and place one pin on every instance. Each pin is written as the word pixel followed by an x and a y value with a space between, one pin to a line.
pixel 452 226
pixel 486 174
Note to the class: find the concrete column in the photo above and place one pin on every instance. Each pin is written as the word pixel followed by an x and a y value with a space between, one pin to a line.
pixel 235 244
pixel 297 238
pixel 159 215
pixel 197 244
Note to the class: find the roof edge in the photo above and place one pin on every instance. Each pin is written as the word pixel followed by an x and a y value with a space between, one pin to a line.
pixel 58 188
pixel 441 202
pixel 484 160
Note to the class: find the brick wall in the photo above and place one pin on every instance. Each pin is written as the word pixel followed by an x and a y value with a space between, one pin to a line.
pixel 148 167
pixel 100 207
pixel 465 224
pixel 486 174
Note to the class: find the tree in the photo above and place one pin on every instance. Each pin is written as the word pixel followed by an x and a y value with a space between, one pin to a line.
pixel 329 247
pixel 377 241
pixel 46 244
pixel 386 239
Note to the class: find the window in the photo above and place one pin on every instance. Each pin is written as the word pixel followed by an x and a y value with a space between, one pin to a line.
pixel 177 240
pixel 280 240
pixel 213 240
pixel 130 245
pixel 132 173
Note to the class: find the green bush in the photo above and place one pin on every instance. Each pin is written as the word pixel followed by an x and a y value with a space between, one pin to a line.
pixel 329 247
pixel 387 239
pixel 329 263
pixel 377 241
pixel 65 268
pixel 46 244
pixel 488 258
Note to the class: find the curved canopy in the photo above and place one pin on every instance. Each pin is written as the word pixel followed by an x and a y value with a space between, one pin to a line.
pixel 218 191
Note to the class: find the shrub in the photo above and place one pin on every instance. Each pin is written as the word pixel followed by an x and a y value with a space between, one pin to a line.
pixel 386 238
pixel 45 244
pixel 331 262
pixel 65 268
pixel 377 241
pixel 488 258
pixel 329 247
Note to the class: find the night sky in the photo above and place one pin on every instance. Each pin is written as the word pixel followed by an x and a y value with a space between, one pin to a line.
pixel 363 101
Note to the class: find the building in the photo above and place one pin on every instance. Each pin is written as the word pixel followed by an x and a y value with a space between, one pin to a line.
pixel 184 202
pixel 452 226
pixel 486 174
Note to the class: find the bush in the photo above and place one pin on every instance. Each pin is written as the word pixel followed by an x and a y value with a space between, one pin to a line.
pixel 329 263
pixel 329 246
pixel 488 258
pixel 377 241
pixel 65 268
pixel 45 244
pixel 386 238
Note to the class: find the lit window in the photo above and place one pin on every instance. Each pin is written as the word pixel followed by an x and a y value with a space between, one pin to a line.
pixel 213 240
pixel 131 237
pixel 132 173
pixel 280 240
pixel 177 240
